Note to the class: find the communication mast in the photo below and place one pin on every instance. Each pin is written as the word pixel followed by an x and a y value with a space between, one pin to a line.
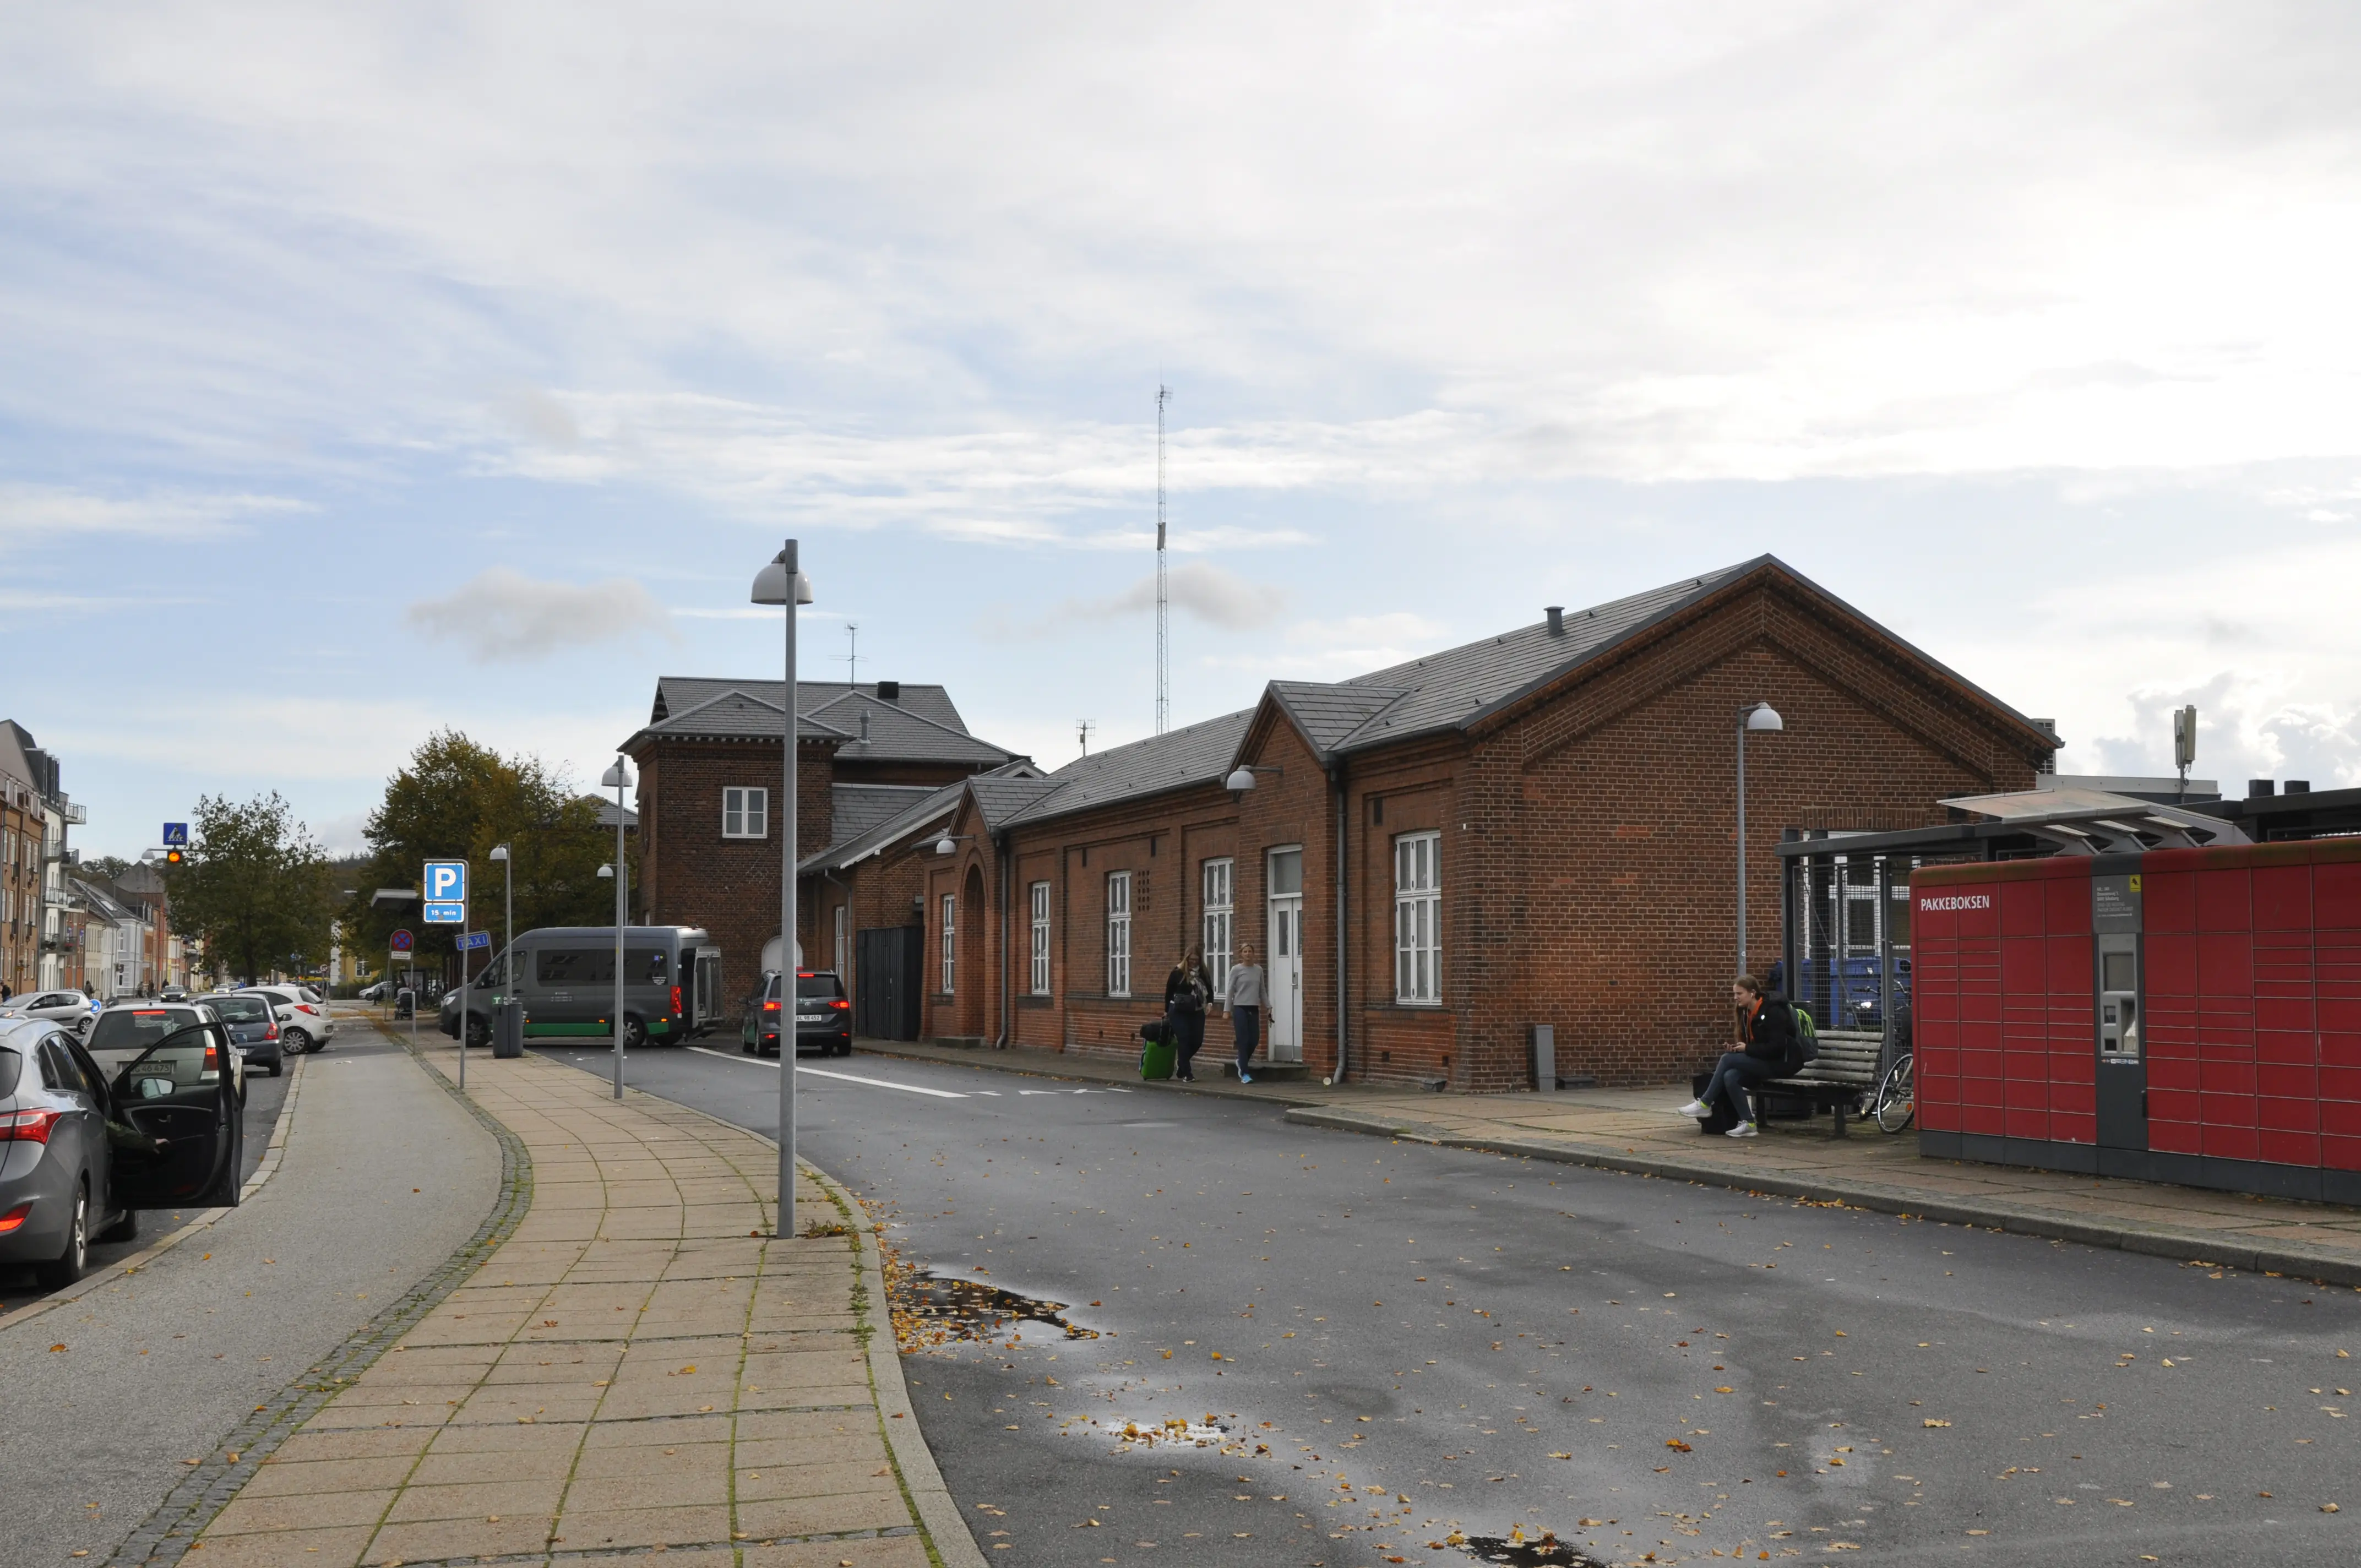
pixel 1163 596
pixel 852 656
pixel 1082 728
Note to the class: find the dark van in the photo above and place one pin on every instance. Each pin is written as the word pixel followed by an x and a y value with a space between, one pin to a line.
pixel 564 975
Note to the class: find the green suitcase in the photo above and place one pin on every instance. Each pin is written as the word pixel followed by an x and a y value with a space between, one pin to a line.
pixel 1157 1058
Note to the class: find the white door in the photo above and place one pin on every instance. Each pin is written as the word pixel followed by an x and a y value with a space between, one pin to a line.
pixel 1286 968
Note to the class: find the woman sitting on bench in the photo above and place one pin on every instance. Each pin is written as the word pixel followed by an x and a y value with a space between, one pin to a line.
pixel 1772 1049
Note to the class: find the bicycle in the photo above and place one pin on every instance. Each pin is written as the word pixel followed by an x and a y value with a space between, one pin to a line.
pixel 1894 1103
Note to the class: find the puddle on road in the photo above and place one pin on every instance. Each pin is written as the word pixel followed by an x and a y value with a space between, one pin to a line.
pixel 1548 1552
pixel 932 1309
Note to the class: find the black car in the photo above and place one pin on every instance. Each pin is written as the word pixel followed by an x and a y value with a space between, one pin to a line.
pixel 253 1027
pixel 823 1016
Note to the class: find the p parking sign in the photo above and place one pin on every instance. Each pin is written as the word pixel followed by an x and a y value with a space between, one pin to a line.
pixel 445 893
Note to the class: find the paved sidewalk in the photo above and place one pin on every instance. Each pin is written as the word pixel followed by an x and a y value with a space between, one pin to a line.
pixel 1635 1130
pixel 641 1367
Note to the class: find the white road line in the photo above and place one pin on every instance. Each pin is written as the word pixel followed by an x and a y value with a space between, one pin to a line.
pixel 847 1077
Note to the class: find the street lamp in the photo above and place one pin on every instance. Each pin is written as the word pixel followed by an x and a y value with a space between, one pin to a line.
pixel 1756 718
pixel 783 583
pixel 508 900
pixel 619 779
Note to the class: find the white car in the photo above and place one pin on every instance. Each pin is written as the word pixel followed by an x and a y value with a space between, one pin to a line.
pixel 304 1023
pixel 69 1009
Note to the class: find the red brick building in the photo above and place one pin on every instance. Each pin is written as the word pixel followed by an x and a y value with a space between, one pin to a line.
pixel 1538 828
pixel 709 778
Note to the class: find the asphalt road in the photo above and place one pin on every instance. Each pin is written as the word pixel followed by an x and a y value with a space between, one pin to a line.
pixel 1426 1339
pixel 383 1177
pixel 264 1095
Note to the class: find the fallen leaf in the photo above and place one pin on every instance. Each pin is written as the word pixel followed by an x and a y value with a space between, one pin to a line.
pixel 55 1348
pixel 1932 1422
pixel 1677 1446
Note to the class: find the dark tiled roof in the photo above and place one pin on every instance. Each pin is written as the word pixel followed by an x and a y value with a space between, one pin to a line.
pixel 1326 713
pixel 921 808
pixel 1002 796
pixel 923 727
pixel 1198 753
pixel 855 808
pixel 675 693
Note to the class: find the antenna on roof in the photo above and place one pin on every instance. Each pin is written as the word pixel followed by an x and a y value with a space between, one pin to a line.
pixel 852 656
pixel 1163 598
pixel 1082 728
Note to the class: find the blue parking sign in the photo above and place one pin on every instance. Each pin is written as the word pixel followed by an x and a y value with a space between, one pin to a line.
pixel 446 881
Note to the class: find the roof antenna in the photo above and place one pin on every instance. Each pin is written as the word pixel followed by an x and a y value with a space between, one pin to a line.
pixel 1163 596
pixel 852 656
pixel 1082 728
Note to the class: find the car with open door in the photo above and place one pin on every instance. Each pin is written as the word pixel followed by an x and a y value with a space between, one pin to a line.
pixel 57 1188
pixel 177 1138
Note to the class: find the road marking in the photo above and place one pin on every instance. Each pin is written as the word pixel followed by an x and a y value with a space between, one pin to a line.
pixel 847 1077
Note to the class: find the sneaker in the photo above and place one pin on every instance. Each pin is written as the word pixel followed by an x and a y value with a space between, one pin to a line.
pixel 1696 1108
pixel 1245 1078
pixel 1743 1130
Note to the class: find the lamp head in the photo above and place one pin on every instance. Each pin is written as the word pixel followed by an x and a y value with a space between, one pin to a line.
pixel 607 873
pixel 770 584
pixel 619 776
pixel 499 852
pixel 943 846
pixel 1240 782
pixel 1763 715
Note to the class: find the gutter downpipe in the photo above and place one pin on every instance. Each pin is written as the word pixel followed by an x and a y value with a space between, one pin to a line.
pixel 1336 782
pixel 1000 851
pixel 830 878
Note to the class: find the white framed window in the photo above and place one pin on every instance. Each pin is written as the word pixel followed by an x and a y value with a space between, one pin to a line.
pixel 745 813
pixel 1118 933
pixel 1418 907
pixel 1218 879
pixel 950 938
pixel 1040 938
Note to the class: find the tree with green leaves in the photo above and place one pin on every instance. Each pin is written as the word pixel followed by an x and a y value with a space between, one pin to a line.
pixel 254 888
pixel 456 799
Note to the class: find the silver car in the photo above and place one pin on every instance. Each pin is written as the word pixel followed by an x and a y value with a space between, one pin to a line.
pixel 70 1008
pixel 57 1187
pixel 82 1151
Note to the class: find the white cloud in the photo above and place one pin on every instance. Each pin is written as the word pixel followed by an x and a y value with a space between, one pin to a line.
pixel 45 512
pixel 502 614
pixel 1211 594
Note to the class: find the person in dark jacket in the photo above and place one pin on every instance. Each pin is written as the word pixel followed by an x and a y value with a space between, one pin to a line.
pixel 1769 1048
pixel 1185 991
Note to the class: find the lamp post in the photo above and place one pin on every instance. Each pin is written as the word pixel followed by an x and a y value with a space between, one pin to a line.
pixel 783 583
pixel 1755 716
pixel 619 778
pixel 508 900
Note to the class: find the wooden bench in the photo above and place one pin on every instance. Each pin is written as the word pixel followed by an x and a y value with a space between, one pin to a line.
pixel 1846 1070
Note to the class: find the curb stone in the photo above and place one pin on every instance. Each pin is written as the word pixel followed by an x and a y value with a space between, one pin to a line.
pixel 264 1169
pixel 2017 1219
pixel 163 1539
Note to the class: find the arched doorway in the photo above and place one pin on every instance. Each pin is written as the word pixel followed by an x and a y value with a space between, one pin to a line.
pixel 970 936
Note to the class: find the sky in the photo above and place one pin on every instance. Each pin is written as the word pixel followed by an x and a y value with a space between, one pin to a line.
pixel 371 370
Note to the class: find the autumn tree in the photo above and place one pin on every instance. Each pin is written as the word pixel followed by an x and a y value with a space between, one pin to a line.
pixel 456 800
pixel 254 887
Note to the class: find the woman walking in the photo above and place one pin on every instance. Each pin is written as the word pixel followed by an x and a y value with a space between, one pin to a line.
pixel 1184 1006
pixel 1243 997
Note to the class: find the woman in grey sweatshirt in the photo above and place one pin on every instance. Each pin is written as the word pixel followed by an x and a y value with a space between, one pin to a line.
pixel 1243 997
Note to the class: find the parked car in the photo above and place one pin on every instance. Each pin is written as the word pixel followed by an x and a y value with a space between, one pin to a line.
pixel 80 1152
pixel 375 992
pixel 304 1022
pixel 823 1016
pixel 565 977
pixel 123 1029
pixel 253 1027
pixel 70 1008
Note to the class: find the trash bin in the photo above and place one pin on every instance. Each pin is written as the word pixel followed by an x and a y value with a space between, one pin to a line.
pixel 508 1029
pixel 405 1003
